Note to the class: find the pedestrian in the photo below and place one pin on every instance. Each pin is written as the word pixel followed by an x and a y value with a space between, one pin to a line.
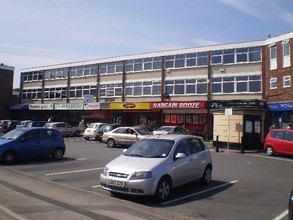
pixel 82 125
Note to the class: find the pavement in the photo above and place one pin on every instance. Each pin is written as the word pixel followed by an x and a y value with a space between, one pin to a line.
pixel 38 199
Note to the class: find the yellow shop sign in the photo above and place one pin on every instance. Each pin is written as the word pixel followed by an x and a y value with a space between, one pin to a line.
pixel 130 105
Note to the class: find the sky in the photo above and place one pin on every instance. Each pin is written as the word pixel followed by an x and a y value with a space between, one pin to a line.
pixel 43 32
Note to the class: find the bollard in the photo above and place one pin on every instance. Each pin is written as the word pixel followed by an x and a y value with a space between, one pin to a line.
pixel 217 144
pixel 242 147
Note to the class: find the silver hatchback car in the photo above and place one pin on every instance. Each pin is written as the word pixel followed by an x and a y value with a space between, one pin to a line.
pixel 156 164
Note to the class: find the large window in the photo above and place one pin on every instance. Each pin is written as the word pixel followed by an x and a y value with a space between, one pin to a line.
pixel 81 71
pixel 110 90
pixel 186 86
pixel 32 76
pixel 286 53
pixel 273 58
pixel 186 60
pixel 240 55
pixel 146 88
pixel 236 84
pixel 56 74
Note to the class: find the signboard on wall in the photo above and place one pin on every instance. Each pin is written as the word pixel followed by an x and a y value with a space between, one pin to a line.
pixel 177 105
pixel 41 106
pixel 69 106
pixel 92 106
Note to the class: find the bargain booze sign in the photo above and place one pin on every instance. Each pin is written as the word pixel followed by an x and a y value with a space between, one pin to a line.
pixel 178 105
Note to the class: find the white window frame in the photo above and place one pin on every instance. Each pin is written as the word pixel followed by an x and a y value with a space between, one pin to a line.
pixel 273 83
pixel 273 60
pixel 286 57
pixel 286 81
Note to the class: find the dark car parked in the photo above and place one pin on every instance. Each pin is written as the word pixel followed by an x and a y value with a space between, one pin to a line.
pixel 106 128
pixel 31 143
pixel 8 125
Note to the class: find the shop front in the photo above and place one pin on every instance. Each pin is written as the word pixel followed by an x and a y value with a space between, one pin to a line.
pixel 238 123
pixel 190 115
pixel 281 114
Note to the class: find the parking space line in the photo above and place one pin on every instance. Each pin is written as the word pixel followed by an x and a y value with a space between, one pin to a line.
pixel 282 215
pixel 270 157
pixel 198 193
pixel 82 158
pixel 74 171
pixel 97 186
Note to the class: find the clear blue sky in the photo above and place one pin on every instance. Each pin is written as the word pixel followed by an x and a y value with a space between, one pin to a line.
pixel 42 32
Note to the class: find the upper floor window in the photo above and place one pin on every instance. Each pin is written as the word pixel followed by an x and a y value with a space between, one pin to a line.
pixel 240 55
pixel 236 84
pixel 186 87
pixel 110 90
pixel 273 83
pixel 273 57
pixel 146 88
pixel 86 70
pixel 286 81
pixel 33 76
pixel 286 53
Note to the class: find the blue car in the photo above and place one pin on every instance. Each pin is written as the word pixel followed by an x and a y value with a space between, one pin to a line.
pixel 31 143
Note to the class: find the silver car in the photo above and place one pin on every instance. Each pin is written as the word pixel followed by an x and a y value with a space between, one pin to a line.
pixel 64 128
pixel 124 136
pixel 155 165
pixel 91 132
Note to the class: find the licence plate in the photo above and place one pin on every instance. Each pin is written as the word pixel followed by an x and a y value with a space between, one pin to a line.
pixel 116 183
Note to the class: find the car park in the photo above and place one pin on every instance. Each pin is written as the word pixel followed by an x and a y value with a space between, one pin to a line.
pixel 156 164
pixel 91 132
pixel 124 136
pixel 106 128
pixel 279 141
pixel 170 130
pixel 31 143
pixel 64 128
pixel 8 125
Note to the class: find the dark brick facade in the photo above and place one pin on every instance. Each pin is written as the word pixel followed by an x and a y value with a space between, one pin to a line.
pixel 6 87
pixel 280 94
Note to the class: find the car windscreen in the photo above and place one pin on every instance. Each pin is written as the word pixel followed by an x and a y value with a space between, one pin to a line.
pixel 13 134
pixel 164 129
pixel 142 131
pixel 150 148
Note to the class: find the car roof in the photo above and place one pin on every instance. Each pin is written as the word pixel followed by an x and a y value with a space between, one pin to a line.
pixel 172 136
pixel 31 128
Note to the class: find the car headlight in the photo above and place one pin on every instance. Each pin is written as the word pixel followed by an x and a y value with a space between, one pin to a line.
pixel 141 175
pixel 105 171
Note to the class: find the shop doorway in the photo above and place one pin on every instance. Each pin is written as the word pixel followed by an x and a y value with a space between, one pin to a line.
pixel 252 132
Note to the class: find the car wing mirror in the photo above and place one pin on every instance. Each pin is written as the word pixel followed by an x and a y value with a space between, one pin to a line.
pixel 23 139
pixel 180 156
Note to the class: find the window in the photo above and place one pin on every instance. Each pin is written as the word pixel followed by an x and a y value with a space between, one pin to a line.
pixel 229 56
pixel 108 90
pixel 273 58
pixel 187 86
pixel 146 88
pixel 286 54
pixel 273 83
pixel 236 84
pixel 286 81
pixel 216 56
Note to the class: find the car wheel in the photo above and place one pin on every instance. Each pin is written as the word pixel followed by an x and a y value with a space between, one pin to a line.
pixel 9 157
pixel 270 151
pixel 76 133
pixel 207 176
pixel 163 189
pixel 86 138
pixel 111 143
pixel 58 154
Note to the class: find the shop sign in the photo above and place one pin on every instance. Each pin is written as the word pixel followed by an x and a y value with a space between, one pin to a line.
pixel 40 106
pixel 104 105
pixel 88 98
pixel 101 114
pixel 178 105
pixel 281 106
pixel 19 107
pixel 91 106
pixel 236 104
pixel 69 106
pixel 130 105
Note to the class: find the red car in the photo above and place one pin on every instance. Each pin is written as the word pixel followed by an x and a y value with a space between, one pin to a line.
pixel 279 141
